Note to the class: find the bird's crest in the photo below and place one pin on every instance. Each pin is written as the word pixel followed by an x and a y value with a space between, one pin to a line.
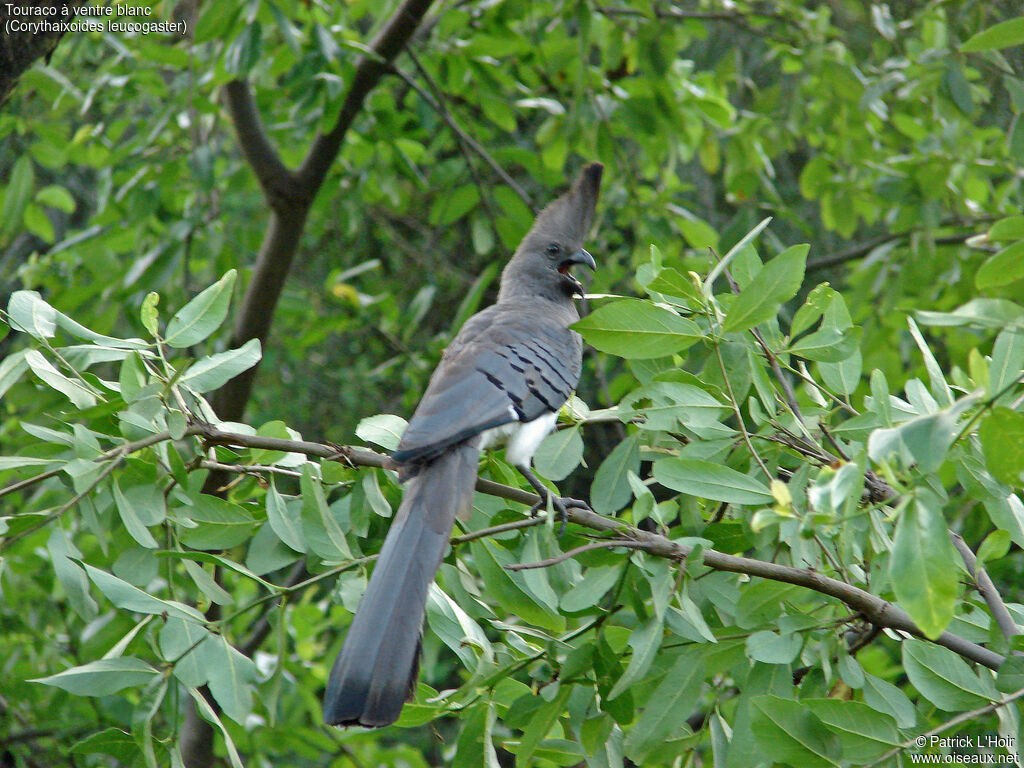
pixel 571 215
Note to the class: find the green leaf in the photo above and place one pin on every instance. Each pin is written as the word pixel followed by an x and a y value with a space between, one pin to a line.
pixel 451 207
pixel 958 88
pixel 210 715
pixel 645 640
pixel 73 390
pixel 1010 228
pixel 322 531
pixel 708 480
pixel 924 440
pixel 179 643
pixel 212 372
pixel 283 521
pixel 1002 35
pixel 1007 360
pixel 559 454
pixel 744 241
pixel 540 724
pixel 71 576
pixel 698 233
pixel 1002 442
pixel 942 677
pixel 11 369
pixel 222 524
pixel 984 313
pixel 670 282
pixel 666 710
pixel 244 51
pixel 610 490
pixel 1002 268
pixel 149 314
pixel 770 647
pixel 136 529
pixel 57 197
pixel 994 547
pixel 1011 675
pixel 864 734
pixel 636 329
pixel 509 589
pixel 19 191
pixel 29 313
pixel 589 590
pixel 124 595
pixel 231 677
pixel 203 315
pixel 919 566
pixel 788 732
pixel 384 429
pixel 110 741
pixel 102 677
pixel 38 223
pixel 828 345
pixel 776 283
pixel 885 697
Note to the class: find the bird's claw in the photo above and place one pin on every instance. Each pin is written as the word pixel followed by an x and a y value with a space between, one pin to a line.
pixel 561 505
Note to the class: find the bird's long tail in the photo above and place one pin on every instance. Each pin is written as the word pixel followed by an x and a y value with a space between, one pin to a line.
pixel 378 665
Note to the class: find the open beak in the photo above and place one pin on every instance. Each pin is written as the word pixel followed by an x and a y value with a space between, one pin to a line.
pixel 579 257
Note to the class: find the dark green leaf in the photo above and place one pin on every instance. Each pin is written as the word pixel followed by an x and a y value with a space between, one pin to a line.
pixel 610 490
pixel 945 679
pixel 787 731
pixel 708 480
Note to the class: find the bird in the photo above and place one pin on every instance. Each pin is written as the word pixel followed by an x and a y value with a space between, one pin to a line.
pixel 502 380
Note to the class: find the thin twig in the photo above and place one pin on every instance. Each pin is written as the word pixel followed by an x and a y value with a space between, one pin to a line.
pixel 568 555
pixel 461 134
pixel 964 717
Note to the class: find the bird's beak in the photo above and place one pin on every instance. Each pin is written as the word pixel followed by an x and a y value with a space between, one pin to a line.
pixel 581 257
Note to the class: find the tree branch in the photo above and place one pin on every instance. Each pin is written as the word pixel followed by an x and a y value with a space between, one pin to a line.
pixel 291 195
pixel 986 588
pixel 264 160
pixel 874 609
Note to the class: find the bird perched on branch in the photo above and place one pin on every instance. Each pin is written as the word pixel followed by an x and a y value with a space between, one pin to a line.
pixel 503 379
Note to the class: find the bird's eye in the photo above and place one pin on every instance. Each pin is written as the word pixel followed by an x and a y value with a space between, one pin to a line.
pixel 554 249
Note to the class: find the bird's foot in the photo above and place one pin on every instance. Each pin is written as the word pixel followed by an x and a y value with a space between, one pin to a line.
pixel 561 506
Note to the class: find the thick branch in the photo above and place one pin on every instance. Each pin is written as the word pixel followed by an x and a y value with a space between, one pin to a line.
pixel 271 173
pixel 290 194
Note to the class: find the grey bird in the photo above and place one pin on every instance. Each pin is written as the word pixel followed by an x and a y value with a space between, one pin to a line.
pixel 503 379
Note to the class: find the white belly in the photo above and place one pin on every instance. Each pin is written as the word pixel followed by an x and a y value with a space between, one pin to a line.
pixel 521 439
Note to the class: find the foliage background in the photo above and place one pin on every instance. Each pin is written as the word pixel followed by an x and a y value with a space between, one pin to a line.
pixel 867 130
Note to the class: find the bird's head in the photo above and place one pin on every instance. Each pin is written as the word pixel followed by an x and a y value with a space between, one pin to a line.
pixel 543 262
